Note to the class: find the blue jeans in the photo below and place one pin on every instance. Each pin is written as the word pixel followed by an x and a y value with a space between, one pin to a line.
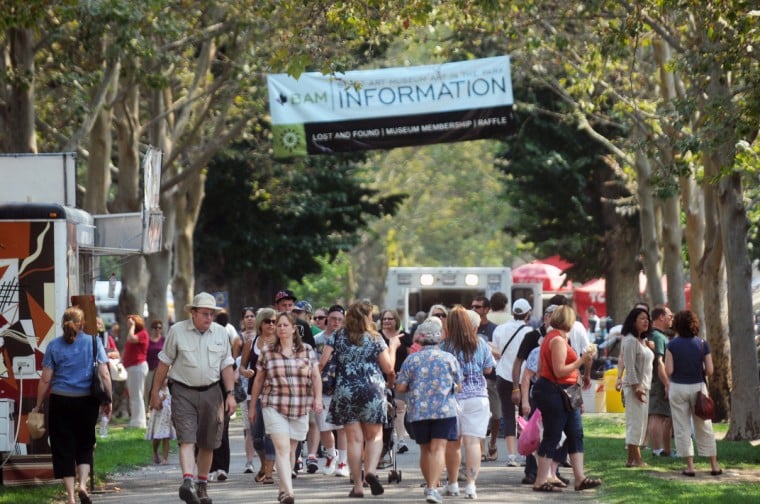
pixel 548 397
pixel 261 442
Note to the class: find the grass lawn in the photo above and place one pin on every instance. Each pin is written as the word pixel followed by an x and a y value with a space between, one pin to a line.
pixel 605 456
pixel 662 482
pixel 121 450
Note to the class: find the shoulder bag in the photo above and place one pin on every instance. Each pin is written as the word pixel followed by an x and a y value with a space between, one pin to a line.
pixel 330 371
pixel 117 370
pixel 98 389
pixel 704 406
pixel 510 340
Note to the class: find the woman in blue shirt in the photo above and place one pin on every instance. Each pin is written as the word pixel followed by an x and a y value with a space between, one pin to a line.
pixel 475 359
pixel 67 374
pixel 687 362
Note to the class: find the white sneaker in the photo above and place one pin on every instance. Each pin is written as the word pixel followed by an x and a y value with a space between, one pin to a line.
pixel 512 461
pixel 432 496
pixel 248 469
pixel 342 470
pixel 452 489
pixel 329 466
pixel 469 492
pixel 212 476
pixel 221 475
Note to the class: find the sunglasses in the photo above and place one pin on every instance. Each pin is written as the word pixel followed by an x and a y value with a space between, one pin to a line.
pixel 439 315
pixel 269 321
pixel 320 317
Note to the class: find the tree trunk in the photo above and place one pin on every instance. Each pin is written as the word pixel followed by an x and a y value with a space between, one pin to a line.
pixel 650 247
pixel 187 203
pixel 714 281
pixel 672 237
pixel 694 210
pixel 133 281
pixel 19 134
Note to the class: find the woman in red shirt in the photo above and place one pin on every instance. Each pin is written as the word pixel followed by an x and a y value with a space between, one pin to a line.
pixel 135 359
pixel 558 369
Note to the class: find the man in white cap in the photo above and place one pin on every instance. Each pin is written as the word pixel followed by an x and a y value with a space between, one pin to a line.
pixel 196 356
pixel 507 339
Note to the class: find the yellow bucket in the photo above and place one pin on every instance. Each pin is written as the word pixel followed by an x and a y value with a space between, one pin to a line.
pixel 614 399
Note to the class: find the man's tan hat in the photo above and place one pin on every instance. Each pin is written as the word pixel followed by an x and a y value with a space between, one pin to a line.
pixel 203 300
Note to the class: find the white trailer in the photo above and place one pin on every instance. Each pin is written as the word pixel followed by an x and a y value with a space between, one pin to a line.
pixel 413 289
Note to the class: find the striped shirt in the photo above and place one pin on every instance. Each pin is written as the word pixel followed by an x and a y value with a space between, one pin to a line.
pixel 287 387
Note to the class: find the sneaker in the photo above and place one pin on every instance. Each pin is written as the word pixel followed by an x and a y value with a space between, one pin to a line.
pixel 248 468
pixel 432 496
pixel 402 448
pixel 329 466
pixel 342 470
pixel 469 492
pixel 512 461
pixel 312 465
pixel 221 475
pixel 452 489
pixel 212 476
pixel 188 493
pixel 203 497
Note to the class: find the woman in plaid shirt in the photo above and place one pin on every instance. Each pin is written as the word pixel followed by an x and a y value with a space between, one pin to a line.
pixel 289 383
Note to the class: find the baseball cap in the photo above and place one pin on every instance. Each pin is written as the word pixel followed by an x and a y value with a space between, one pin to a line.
pixel 303 306
pixel 284 294
pixel 521 306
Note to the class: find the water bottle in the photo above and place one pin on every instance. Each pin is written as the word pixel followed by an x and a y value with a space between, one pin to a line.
pixel 104 426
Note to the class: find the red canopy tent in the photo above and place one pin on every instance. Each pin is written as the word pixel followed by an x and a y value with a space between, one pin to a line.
pixel 550 277
pixel 592 293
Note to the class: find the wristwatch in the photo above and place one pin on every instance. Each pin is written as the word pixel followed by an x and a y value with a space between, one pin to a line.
pixel 228 392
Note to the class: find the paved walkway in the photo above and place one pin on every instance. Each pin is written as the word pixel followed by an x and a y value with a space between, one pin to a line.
pixel 159 484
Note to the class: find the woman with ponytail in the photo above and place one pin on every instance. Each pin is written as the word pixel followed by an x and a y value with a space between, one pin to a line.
pixel 72 411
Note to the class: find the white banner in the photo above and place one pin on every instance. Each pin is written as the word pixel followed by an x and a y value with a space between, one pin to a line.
pixel 390 107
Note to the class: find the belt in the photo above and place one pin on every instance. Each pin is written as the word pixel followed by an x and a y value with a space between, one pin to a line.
pixel 199 389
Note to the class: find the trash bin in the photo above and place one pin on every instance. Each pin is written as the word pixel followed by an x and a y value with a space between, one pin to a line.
pixel 613 398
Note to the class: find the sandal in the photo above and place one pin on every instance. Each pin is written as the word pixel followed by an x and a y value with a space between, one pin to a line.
pixel 588 483
pixel 352 493
pixel 546 487
pixel 558 483
pixel 716 473
pixel 374 484
pixel 493 454
pixel 690 474
pixel 83 497
pixel 259 476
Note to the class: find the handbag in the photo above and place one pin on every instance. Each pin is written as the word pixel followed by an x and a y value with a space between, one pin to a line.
pixel 35 422
pixel 572 397
pixel 117 370
pixel 704 407
pixel 329 373
pixel 530 435
pixel 98 389
pixel 239 393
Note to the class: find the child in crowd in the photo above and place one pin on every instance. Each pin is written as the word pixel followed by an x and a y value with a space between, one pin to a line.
pixel 160 427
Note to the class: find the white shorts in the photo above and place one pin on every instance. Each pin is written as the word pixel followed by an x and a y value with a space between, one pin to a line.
pixel 277 423
pixel 474 414
pixel 324 425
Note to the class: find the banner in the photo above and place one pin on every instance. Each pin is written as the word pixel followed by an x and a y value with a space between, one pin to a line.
pixel 391 107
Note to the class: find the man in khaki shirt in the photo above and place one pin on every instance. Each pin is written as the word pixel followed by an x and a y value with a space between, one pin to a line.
pixel 196 356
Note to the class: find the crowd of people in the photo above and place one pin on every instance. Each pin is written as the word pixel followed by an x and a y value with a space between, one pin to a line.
pixel 322 382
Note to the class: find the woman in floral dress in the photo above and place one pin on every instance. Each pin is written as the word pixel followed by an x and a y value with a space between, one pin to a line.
pixel 359 398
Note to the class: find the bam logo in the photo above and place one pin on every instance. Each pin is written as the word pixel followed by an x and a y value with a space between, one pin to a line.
pixel 301 99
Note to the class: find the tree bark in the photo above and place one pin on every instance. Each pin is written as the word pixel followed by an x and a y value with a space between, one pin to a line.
pixel 650 247
pixel 187 203
pixel 714 280
pixel 20 133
